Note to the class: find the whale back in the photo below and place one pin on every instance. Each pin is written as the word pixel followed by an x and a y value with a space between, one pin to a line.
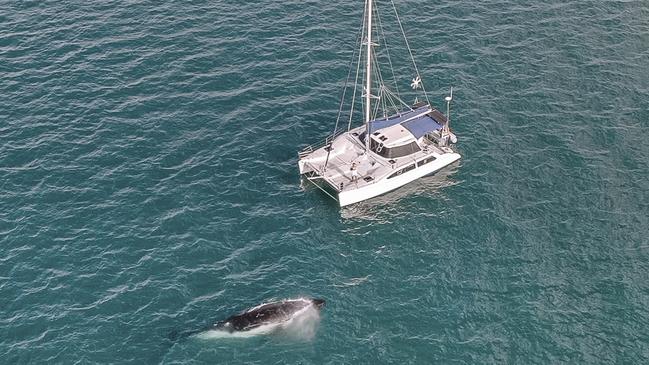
pixel 266 313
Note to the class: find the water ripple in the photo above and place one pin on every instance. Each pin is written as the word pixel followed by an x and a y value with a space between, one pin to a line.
pixel 147 156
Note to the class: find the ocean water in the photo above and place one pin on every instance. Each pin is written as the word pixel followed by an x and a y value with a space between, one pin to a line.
pixel 148 184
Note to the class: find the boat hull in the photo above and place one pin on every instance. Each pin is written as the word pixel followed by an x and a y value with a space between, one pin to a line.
pixel 353 174
pixel 383 186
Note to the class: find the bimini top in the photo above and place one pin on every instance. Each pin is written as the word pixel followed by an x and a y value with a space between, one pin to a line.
pixel 416 121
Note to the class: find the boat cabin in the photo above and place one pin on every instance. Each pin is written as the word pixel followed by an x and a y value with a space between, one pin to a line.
pixel 393 142
pixel 398 136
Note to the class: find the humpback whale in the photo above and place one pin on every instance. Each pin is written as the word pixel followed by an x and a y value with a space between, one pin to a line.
pixel 268 314
pixel 262 319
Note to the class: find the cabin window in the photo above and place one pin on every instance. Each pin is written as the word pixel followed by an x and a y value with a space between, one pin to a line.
pixel 426 160
pixel 405 150
pixel 394 152
pixel 403 170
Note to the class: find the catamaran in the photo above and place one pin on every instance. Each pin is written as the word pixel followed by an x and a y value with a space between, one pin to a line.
pixel 397 143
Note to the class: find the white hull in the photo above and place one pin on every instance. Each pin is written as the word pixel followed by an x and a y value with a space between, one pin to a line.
pixel 383 186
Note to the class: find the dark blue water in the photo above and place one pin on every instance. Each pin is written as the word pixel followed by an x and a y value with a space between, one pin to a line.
pixel 148 184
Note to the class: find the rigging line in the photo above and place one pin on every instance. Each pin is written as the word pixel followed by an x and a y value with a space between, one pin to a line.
pixel 375 112
pixel 342 99
pixel 390 102
pixel 386 92
pixel 377 105
pixel 349 74
pixel 387 49
pixel 383 102
pixel 379 77
pixel 402 102
pixel 377 69
pixel 391 99
pixel 381 80
pixel 386 101
pixel 377 65
pixel 409 50
pixel 358 67
pixel 351 111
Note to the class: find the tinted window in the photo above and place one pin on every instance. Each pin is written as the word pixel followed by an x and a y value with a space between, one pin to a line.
pixel 405 150
pixel 394 152
pixel 426 160
pixel 405 169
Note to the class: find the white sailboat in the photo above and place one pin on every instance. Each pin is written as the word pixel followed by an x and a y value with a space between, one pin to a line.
pixel 397 143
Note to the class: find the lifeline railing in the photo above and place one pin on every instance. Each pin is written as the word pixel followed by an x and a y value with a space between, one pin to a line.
pixel 308 149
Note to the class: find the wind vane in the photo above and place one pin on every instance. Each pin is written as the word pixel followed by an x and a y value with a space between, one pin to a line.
pixel 416 83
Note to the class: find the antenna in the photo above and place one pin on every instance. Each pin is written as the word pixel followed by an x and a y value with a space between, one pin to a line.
pixel 448 100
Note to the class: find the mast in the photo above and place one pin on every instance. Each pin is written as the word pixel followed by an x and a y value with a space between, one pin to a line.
pixel 368 75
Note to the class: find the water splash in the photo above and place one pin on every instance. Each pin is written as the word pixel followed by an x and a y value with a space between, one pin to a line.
pixel 353 282
pixel 303 326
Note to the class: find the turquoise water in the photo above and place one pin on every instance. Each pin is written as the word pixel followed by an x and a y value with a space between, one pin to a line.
pixel 148 184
